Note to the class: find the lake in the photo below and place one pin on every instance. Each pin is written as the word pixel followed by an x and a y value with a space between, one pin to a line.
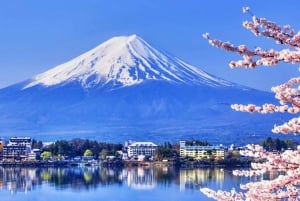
pixel 94 183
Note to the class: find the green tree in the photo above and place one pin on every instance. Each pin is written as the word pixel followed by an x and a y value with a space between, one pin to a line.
pixel 87 153
pixel 46 155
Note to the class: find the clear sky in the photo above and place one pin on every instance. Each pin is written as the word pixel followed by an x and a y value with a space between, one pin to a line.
pixel 37 35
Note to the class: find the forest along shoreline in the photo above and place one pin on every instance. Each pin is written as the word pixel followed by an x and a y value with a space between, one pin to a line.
pixel 83 153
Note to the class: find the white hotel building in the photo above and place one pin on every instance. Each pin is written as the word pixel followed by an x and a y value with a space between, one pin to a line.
pixel 141 149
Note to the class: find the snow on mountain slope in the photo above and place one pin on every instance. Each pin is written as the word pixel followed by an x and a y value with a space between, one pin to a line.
pixel 124 61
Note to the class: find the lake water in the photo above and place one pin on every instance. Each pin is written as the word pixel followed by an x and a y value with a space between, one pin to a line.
pixel 91 184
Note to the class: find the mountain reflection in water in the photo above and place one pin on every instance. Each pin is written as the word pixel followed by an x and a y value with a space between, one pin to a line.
pixel 77 178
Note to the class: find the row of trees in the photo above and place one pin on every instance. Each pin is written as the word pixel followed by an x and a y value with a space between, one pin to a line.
pixel 271 144
pixel 82 147
pixel 166 151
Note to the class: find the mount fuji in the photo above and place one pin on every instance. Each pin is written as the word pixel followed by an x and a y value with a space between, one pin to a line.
pixel 124 61
pixel 126 89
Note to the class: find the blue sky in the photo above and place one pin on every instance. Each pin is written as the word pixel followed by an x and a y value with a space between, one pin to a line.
pixel 38 35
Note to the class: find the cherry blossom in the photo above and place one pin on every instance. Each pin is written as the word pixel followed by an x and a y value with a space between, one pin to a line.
pixel 286 185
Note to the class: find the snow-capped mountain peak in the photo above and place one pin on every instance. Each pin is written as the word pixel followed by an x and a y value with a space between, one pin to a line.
pixel 124 61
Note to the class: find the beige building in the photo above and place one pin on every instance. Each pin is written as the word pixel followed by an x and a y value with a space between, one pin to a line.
pixel 201 152
pixel 1 146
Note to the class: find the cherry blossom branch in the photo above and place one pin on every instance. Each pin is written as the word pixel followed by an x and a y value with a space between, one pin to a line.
pixel 288 92
pixel 263 58
pixel 261 27
pixel 292 126
pixel 289 97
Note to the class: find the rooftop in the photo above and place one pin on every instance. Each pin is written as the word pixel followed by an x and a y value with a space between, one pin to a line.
pixel 148 144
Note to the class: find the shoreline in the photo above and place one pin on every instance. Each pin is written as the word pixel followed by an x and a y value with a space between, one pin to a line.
pixel 114 164
pixel 34 164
